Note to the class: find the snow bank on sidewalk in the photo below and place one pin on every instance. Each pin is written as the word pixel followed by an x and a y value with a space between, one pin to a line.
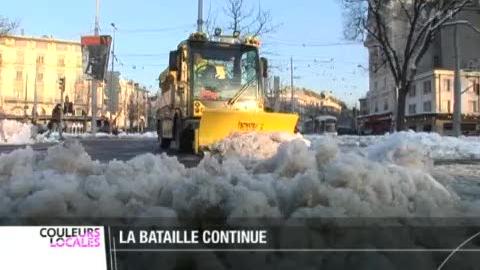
pixel 14 132
pixel 123 135
pixel 432 144
pixel 296 181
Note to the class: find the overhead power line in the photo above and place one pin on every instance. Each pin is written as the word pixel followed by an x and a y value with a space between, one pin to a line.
pixel 155 30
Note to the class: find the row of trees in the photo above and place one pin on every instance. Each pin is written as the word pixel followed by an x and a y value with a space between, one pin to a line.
pixel 238 16
pixel 7 26
pixel 370 20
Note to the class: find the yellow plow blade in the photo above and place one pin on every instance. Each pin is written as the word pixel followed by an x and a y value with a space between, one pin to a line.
pixel 217 125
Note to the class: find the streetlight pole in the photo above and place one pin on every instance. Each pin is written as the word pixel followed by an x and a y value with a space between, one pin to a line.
pixel 94 81
pixel 457 106
pixel 112 90
pixel 292 98
pixel 200 17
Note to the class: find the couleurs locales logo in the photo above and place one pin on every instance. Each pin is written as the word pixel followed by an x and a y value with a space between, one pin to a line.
pixel 72 237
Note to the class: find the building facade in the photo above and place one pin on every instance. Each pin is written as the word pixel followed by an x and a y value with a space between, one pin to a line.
pixel 30 69
pixel 378 113
pixel 430 102
pixel 128 103
pixel 310 103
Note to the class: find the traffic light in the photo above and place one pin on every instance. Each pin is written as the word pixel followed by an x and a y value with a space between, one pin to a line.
pixel 61 84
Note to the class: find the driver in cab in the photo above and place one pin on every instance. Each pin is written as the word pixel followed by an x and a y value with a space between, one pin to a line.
pixel 208 79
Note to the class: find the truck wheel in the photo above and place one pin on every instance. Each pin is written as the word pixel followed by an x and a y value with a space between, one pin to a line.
pixel 165 143
pixel 186 141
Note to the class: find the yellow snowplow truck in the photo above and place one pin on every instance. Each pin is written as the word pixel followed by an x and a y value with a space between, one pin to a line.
pixel 212 88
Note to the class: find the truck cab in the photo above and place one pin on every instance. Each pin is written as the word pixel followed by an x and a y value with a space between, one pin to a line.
pixel 223 73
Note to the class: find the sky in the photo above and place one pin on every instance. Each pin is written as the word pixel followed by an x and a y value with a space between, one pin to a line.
pixel 309 31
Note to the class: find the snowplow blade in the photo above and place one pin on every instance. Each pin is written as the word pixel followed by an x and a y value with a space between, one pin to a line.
pixel 217 125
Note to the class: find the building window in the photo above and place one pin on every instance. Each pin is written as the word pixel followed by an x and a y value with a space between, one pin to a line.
pixel 474 106
pixel 61 47
pixel 427 106
pixel 375 86
pixel 20 43
pixel 20 58
pixel 436 61
pixel 412 109
pixel 413 90
pixel 427 87
pixel 39 77
pixel 61 62
pixel 447 83
pixel 449 106
pixel 376 107
pixel 385 105
pixel 19 76
pixel 40 60
pixel 41 45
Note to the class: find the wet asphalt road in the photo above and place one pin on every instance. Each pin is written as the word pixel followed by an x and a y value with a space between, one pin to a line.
pixel 107 149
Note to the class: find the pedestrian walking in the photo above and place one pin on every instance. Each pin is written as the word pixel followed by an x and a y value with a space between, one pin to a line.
pixel 55 121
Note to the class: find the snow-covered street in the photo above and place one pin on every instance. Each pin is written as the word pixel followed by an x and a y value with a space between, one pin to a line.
pixel 248 175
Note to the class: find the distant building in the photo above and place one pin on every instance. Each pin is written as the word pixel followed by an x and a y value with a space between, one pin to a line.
pixel 29 71
pixel 30 68
pixel 310 103
pixel 128 103
pixel 379 106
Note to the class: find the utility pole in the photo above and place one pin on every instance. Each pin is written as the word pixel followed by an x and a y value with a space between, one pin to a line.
pixel 94 81
pixel 138 111
pixel 457 106
pixel 62 83
pixel 125 109
pixel 97 22
pixel 292 99
pixel 112 90
pixel 200 17
pixel 25 107
pixel 35 97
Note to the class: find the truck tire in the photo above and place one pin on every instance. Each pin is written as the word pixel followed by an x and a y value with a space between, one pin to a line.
pixel 186 141
pixel 164 143
pixel 183 137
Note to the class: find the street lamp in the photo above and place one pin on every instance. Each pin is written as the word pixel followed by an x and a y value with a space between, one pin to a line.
pixel 457 97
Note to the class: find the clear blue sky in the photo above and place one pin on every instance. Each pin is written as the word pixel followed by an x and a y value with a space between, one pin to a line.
pixel 149 29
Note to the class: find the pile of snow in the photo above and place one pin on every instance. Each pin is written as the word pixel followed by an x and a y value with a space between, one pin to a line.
pixel 145 135
pixel 296 181
pixel 14 132
pixel 431 144
pixel 123 135
pixel 253 145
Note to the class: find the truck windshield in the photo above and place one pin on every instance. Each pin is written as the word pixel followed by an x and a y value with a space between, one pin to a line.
pixel 220 73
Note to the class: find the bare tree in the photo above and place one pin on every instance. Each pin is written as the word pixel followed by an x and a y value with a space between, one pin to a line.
pixel 402 48
pixel 244 19
pixel 7 26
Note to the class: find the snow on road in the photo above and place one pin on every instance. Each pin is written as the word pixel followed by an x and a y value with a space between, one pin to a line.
pixel 17 133
pixel 246 175
pixel 290 179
